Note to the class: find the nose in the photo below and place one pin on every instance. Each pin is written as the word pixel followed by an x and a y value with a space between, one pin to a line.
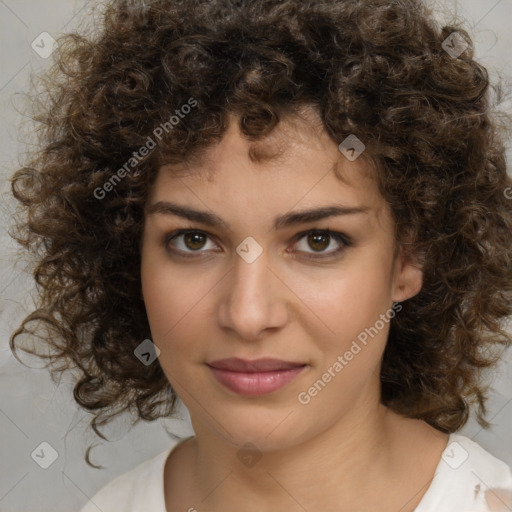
pixel 254 299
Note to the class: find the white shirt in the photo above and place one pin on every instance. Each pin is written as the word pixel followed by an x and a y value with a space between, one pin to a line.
pixel 465 471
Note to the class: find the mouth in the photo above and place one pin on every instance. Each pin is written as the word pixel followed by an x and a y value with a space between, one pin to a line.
pixel 255 377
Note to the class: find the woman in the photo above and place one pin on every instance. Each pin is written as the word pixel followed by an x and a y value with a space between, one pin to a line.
pixel 293 216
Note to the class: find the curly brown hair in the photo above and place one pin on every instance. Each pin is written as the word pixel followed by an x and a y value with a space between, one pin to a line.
pixel 376 69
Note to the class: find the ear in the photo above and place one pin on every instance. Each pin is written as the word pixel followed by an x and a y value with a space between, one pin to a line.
pixel 408 276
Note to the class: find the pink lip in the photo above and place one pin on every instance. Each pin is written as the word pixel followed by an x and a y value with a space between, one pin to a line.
pixel 256 377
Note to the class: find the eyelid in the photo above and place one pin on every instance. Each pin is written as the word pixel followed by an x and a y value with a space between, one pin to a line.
pixel 343 239
pixel 179 232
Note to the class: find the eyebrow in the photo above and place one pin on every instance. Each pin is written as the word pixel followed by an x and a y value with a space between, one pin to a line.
pixel 280 222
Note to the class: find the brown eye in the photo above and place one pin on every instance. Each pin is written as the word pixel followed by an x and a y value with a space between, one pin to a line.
pixel 186 241
pixel 189 243
pixel 320 240
pixel 194 241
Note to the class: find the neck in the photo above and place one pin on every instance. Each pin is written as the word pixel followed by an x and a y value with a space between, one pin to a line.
pixel 339 462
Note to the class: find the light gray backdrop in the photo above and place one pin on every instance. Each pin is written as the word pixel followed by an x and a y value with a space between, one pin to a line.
pixel 33 409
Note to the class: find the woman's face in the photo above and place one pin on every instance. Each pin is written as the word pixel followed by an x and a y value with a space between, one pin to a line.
pixel 249 282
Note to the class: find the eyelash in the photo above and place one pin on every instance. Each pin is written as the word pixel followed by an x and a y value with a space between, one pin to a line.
pixel 341 238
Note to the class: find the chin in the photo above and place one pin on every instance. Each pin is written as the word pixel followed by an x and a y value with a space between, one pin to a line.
pixel 268 431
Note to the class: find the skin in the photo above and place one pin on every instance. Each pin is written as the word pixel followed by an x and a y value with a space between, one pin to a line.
pixel 341 447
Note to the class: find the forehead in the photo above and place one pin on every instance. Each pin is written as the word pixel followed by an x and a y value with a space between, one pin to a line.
pixel 293 157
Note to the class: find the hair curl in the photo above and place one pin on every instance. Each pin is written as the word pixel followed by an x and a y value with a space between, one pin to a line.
pixel 373 68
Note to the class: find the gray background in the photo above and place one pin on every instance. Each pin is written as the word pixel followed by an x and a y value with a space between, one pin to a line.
pixel 33 409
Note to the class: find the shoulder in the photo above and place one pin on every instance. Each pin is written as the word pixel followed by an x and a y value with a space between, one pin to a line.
pixel 137 490
pixel 464 474
pixel 473 458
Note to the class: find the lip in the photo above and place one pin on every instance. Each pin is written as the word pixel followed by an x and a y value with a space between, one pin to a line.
pixel 255 377
pixel 264 364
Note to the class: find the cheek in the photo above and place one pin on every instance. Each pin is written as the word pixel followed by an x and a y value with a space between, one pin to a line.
pixel 348 357
pixel 176 304
pixel 348 301
pixel 349 304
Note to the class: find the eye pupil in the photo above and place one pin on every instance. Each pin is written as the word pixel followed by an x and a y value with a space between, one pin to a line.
pixel 193 238
pixel 315 237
